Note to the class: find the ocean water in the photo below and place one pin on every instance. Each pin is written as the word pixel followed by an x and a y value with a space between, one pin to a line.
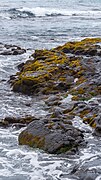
pixel 42 24
pixel 39 24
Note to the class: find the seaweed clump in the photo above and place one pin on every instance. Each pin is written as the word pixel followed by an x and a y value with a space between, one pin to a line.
pixel 53 71
pixel 71 69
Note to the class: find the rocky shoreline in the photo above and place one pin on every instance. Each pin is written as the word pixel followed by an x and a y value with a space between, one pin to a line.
pixel 7 50
pixel 68 79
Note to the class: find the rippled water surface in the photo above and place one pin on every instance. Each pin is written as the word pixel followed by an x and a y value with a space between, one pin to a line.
pixel 20 162
pixel 42 24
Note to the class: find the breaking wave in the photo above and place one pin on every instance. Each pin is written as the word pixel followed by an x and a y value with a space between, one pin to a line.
pixel 41 12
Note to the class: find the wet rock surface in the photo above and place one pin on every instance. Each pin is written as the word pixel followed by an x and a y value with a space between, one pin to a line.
pixel 87 47
pixel 68 78
pixel 17 122
pixel 52 136
pixel 6 50
pixel 53 71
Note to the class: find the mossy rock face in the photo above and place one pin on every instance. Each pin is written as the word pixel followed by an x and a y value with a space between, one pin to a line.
pixel 53 71
pixel 51 139
pixel 42 74
pixel 73 68
pixel 85 47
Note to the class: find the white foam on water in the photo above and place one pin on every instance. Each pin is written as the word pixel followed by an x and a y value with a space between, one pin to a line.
pixel 5 16
pixel 40 11
pixel 68 99
pixel 98 178
pixel 78 123
pixel 30 163
pixel 25 161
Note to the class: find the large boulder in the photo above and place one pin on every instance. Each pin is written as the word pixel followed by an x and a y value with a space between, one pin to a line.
pixel 52 137
pixel 53 71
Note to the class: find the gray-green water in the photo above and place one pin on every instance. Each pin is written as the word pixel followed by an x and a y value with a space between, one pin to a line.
pixel 42 24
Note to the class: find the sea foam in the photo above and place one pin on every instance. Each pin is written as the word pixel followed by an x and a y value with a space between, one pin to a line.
pixel 26 12
pixel 40 11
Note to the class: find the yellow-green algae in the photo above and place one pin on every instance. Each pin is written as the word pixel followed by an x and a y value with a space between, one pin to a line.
pixel 41 73
pixel 82 46
pixel 37 142
pixel 48 71
pixel 90 121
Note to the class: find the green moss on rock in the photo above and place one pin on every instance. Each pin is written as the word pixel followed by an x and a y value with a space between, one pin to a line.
pixel 51 71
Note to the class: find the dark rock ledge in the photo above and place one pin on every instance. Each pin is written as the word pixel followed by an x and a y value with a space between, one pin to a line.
pixel 74 70
pixel 6 50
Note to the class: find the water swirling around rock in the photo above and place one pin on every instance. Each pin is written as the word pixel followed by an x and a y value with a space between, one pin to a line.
pixel 44 166
pixel 24 29
pixel 23 162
